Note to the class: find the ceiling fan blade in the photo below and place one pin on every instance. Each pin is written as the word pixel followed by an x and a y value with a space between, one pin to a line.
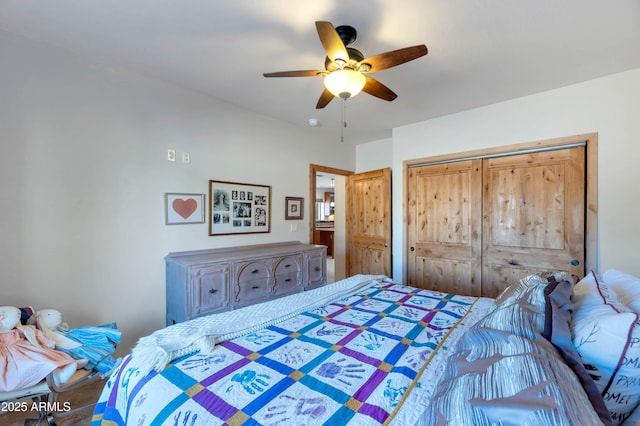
pixel 331 41
pixel 394 57
pixel 324 100
pixel 379 90
pixel 302 73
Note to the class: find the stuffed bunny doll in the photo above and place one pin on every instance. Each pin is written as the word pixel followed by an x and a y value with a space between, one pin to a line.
pixel 27 356
pixel 49 321
pixel 90 346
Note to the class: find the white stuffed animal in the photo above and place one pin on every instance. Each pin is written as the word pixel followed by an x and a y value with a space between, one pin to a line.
pixel 49 321
pixel 27 355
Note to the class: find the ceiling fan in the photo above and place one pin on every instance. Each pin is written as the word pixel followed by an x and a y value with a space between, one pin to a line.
pixel 345 67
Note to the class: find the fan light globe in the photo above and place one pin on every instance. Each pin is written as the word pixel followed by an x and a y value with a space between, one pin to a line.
pixel 344 83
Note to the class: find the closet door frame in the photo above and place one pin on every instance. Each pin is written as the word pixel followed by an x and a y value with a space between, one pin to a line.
pixel 591 172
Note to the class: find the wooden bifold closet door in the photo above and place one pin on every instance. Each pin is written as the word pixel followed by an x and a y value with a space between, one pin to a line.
pixel 476 226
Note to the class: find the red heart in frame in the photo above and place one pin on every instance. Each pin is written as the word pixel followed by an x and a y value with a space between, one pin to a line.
pixel 185 208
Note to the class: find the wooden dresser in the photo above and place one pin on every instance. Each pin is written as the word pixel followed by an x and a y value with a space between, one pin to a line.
pixel 203 282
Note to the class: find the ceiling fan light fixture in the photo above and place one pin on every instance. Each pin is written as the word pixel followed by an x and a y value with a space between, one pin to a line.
pixel 344 67
pixel 344 83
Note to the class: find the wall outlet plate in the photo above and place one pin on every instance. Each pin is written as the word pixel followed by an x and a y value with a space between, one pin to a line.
pixel 171 155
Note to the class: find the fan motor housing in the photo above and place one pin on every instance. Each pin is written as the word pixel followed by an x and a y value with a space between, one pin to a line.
pixel 347 34
pixel 355 56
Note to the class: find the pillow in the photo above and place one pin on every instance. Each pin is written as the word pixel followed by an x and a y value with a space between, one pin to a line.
pixel 634 419
pixel 626 286
pixel 606 335
pixel 528 292
pixel 504 371
pixel 522 289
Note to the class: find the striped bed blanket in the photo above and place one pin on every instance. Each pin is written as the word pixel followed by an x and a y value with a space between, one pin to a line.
pixel 371 356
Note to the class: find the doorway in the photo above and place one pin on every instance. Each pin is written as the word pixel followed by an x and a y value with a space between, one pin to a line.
pixel 327 221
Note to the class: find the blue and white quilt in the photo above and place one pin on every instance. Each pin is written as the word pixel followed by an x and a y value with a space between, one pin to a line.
pixel 371 357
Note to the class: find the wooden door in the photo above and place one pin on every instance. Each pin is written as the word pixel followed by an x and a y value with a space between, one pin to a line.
pixel 368 223
pixel 533 216
pixel 444 226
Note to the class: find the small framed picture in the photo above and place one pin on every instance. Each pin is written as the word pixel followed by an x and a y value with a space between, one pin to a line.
pixel 182 208
pixel 294 208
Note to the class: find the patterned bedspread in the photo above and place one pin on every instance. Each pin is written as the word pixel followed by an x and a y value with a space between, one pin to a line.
pixel 369 358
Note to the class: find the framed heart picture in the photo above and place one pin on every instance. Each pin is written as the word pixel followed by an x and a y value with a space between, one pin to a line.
pixel 183 208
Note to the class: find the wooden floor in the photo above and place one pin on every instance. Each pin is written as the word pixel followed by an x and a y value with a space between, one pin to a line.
pixel 77 398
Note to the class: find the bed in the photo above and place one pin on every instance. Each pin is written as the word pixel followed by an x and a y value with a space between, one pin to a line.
pixel 368 351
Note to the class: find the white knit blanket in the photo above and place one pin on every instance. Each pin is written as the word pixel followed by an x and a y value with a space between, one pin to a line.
pixel 156 350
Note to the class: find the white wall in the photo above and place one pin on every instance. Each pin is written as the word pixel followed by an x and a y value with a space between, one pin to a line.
pixel 608 106
pixel 374 155
pixel 83 173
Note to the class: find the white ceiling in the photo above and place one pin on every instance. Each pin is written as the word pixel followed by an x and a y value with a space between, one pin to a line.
pixel 480 52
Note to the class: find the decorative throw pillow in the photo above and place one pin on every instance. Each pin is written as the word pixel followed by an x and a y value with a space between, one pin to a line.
pixel 522 289
pixel 529 291
pixel 634 419
pixel 606 335
pixel 504 371
pixel 626 286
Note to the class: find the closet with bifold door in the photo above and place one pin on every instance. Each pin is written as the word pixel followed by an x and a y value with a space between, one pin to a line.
pixel 476 225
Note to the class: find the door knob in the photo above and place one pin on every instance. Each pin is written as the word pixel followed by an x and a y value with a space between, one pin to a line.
pixel 575 262
pixel 412 248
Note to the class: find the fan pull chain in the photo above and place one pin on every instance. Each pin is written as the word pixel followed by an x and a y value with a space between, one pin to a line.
pixel 343 124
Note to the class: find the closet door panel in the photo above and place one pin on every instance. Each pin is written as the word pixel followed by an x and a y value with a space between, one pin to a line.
pixel 447 276
pixel 444 227
pixel 533 216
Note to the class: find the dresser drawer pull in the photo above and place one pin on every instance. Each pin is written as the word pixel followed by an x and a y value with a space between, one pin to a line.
pixel 255 287
pixel 287 265
pixel 317 268
pixel 287 280
pixel 255 271
pixel 212 291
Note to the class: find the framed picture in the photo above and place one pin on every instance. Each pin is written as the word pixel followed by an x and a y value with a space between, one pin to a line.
pixel 293 208
pixel 239 208
pixel 181 208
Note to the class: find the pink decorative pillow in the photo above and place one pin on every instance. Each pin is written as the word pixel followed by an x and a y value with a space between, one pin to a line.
pixel 606 335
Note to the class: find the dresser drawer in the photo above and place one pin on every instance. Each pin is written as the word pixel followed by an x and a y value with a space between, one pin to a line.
pixel 289 264
pixel 248 292
pixel 287 283
pixel 249 271
pixel 253 283
pixel 209 290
